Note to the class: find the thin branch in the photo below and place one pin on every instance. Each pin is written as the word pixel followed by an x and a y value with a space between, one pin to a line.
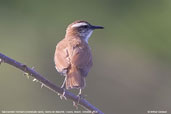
pixel 30 71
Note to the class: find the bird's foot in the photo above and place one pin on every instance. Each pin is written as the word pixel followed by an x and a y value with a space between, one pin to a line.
pixel 75 104
pixel 80 96
pixel 62 95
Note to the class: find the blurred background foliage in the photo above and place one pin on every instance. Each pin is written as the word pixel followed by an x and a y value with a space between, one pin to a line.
pixel 132 57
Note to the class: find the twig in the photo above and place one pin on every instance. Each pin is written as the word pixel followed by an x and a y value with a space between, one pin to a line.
pixel 30 71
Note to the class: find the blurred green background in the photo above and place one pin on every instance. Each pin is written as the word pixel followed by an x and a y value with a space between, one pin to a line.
pixel 132 58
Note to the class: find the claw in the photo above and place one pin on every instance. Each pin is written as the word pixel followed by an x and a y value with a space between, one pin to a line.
pixel 75 105
pixel 79 98
pixel 63 95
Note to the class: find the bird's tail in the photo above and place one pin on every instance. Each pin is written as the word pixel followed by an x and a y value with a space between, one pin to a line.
pixel 74 79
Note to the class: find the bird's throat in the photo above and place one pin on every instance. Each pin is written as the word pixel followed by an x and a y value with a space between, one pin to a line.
pixel 87 36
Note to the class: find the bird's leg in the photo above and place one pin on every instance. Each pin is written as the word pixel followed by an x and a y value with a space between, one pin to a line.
pixel 63 87
pixel 79 94
pixel 79 98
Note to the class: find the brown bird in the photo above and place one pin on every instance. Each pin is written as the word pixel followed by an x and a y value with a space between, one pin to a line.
pixel 73 58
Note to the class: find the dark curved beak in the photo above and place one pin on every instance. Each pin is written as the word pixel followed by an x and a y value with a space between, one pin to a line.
pixel 96 27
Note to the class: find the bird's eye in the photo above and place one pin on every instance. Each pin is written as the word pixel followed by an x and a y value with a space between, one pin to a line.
pixel 86 26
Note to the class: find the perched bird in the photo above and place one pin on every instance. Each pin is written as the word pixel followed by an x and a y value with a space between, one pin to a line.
pixel 73 58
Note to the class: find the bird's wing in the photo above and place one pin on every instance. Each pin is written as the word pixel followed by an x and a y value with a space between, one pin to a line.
pixel 61 57
pixel 82 58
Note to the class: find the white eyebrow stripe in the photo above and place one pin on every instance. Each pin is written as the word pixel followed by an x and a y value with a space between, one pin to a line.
pixel 78 24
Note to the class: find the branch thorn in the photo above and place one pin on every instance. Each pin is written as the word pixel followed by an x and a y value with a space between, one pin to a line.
pixel 35 80
pixel 1 61
pixel 42 85
pixel 26 74
pixel 33 68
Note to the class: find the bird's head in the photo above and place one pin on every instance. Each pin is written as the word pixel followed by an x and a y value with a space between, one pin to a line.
pixel 81 29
